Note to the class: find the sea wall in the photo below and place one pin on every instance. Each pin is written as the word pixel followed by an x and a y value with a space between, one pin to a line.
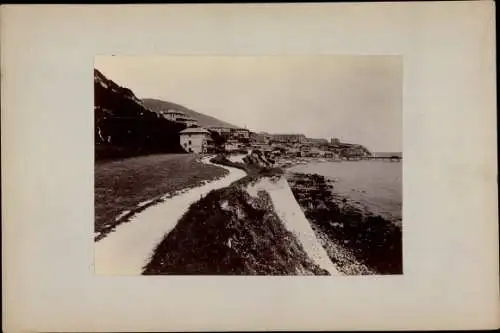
pixel 236 230
pixel 293 219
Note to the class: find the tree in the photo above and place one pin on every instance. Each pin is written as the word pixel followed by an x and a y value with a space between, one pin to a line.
pixel 245 140
pixel 218 139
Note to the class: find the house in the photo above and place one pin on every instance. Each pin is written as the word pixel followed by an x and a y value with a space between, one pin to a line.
pixel 232 145
pixel 172 114
pixel 195 139
pixel 188 121
pixel 220 129
pixel 312 154
pixel 293 152
pixel 288 138
pixel 317 142
pixel 305 148
pixel 328 155
pixel 334 141
pixel 260 146
pixel 241 133
pixel 261 137
pixel 179 117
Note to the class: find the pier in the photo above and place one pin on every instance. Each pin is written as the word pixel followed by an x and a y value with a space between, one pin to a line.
pixel 374 158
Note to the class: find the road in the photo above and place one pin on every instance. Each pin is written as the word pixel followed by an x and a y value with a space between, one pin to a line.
pixel 126 250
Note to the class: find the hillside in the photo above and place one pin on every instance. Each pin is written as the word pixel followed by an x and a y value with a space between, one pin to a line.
pixel 125 127
pixel 203 120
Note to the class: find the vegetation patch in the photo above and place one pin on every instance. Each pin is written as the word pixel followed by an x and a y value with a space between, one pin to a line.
pixel 229 232
pixel 252 166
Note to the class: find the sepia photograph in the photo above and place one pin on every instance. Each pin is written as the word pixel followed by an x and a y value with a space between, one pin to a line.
pixel 245 165
pixel 248 165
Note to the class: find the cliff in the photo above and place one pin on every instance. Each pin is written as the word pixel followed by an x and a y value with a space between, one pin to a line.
pixel 125 127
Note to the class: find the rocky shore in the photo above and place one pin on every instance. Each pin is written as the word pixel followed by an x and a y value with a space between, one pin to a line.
pixel 357 241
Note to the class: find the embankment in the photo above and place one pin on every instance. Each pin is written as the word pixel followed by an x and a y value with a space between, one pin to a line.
pixel 232 232
pixel 357 241
pixel 294 220
pixel 248 228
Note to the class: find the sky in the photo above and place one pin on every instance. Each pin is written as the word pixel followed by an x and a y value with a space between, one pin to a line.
pixel 357 99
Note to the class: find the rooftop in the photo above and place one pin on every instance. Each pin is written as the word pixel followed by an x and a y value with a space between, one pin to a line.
pixel 172 111
pixel 288 134
pixel 194 130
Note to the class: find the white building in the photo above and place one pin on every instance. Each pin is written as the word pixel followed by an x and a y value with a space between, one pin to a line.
pixel 241 133
pixel 288 138
pixel 220 129
pixel 172 114
pixel 179 117
pixel 195 139
pixel 188 121
pixel 232 145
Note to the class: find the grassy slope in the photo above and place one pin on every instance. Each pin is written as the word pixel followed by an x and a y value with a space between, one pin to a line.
pixel 122 185
pixel 203 120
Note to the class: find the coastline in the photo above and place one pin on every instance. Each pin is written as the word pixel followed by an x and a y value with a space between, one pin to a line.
pixel 268 221
pixel 362 202
pixel 357 240
pixel 246 225
pixel 241 225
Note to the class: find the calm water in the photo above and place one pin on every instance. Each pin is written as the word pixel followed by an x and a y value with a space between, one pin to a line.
pixel 375 185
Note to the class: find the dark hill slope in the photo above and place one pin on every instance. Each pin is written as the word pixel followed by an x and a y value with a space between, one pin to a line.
pixel 125 127
pixel 203 120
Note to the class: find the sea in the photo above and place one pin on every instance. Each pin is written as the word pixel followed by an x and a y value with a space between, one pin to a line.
pixel 374 185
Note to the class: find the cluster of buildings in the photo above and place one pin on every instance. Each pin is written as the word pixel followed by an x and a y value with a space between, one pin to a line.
pixel 199 140
pixel 292 145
